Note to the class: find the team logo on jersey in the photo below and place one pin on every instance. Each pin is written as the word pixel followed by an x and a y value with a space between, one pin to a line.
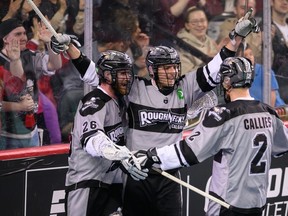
pixel 116 134
pixel 151 117
pixel 180 94
pixel 165 100
pixel 91 106
pixel 216 112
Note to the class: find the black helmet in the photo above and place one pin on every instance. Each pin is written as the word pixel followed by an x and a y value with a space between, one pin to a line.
pixel 236 72
pixel 114 61
pixel 161 55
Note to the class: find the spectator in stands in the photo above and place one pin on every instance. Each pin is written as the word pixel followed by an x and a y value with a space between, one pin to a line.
pixel 19 129
pixel 280 45
pixel 255 40
pixel 38 45
pixel 120 14
pixel 76 15
pixel 138 49
pixel 78 22
pixel 16 71
pixel 139 64
pixel 195 34
pixel 47 112
pixel 47 120
pixel 13 52
pixel 169 16
pixel 12 83
pixel 16 9
pixel 124 13
pixel 9 9
pixel 256 89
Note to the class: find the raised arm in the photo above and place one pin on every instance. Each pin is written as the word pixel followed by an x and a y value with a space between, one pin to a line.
pixel 207 76
pixel 55 61
pixel 13 52
pixel 68 44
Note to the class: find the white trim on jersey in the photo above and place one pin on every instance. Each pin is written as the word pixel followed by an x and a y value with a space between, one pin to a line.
pixel 213 65
pixel 170 156
pixel 91 77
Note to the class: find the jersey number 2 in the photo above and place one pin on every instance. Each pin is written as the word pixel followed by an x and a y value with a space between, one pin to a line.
pixel 257 166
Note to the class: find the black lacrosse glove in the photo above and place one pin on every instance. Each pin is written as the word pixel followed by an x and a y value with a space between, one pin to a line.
pixel 145 159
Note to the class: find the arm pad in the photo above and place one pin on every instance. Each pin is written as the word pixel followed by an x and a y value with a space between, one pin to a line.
pixel 82 63
pixel 100 145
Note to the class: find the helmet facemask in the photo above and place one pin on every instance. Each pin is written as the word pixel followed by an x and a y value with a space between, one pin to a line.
pixel 167 75
pixel 164 67
pixel 122 80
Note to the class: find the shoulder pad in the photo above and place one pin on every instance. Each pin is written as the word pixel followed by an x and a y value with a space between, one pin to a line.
pixel 93 102
pixel 216 116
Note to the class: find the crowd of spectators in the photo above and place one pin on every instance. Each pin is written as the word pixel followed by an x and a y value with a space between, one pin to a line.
pixel 123 25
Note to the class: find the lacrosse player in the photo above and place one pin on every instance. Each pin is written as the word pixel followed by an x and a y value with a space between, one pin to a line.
pixel 242 159
pixel 98 139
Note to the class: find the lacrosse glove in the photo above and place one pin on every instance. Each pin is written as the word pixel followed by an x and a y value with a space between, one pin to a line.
pixel 245 26
pixel 139 163
pixel 129 169
pixel 145 159
pixel 61 43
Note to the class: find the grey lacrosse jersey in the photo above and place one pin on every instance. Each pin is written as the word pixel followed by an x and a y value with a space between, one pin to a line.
pixel 156 119
pixel 242 136
pixel 96 111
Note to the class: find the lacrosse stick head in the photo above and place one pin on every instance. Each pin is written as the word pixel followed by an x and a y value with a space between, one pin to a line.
pixel 205 102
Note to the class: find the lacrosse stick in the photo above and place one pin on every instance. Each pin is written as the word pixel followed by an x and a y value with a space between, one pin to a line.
pixel 46 22
pixel 207 101
pixel 43 19
pixel 179 181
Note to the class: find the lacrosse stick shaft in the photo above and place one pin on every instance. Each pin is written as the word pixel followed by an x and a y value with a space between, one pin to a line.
pixel 43 19
pixel 173 178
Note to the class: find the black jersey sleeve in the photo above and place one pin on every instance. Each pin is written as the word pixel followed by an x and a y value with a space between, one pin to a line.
pixel 81 63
